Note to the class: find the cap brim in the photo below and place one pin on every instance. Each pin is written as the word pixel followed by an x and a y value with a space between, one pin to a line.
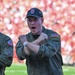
pixel 32 16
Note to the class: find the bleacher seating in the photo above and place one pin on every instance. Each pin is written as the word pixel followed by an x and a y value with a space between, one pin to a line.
pixel 59 16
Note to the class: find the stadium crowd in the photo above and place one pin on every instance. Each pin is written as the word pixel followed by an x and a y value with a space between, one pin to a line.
pixel 59 16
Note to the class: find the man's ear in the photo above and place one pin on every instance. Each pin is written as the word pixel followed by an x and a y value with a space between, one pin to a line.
pixel 42 19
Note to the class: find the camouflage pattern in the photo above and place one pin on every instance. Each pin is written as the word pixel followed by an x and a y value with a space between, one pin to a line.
pixel 48 61
pixel 6 52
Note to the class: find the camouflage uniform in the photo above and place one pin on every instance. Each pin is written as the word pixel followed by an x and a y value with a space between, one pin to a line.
pixel 48 61
pixel 6 52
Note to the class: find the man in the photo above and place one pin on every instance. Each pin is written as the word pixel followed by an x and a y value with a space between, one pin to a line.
pixel 41 47
pixel 6 52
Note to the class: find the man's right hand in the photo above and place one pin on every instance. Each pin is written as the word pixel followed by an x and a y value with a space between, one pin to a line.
pixel 43 36
pixel 41 39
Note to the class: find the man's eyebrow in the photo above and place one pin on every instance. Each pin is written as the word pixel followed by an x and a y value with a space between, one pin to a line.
pixel 32 18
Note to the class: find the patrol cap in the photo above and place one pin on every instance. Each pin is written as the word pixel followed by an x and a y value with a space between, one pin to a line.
pixel 34 12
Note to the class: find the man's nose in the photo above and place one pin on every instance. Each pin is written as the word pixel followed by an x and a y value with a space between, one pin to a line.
pixel 32 22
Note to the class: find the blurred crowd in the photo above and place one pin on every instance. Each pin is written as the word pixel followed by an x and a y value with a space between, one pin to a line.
pixel 59 16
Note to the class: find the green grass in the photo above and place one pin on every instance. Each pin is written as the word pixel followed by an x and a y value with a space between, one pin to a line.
pixel 69 70
pixel 20 69
pixel 16 69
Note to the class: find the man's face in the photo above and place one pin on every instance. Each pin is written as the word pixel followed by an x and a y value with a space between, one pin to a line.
pixel 35 25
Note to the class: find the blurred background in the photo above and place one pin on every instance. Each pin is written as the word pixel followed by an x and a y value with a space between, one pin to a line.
pixel 59 15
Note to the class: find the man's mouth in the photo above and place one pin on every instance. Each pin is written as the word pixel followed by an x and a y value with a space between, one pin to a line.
pixel 33 27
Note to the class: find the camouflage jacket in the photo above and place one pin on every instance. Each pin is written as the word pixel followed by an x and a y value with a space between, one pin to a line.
pixel 6 52
pixel 48 61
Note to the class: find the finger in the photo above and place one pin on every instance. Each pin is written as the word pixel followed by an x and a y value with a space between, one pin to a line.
pixel 46 37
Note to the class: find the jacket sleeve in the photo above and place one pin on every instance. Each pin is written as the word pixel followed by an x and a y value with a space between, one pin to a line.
pixel 20 52
pixel 6 55
pixel 51 47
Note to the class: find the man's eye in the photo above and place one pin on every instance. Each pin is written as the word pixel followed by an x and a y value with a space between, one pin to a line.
pixel 35 20
pixel 32 20
pixel 29 20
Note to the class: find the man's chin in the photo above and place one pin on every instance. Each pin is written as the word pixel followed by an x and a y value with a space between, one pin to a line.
pixel 34 33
